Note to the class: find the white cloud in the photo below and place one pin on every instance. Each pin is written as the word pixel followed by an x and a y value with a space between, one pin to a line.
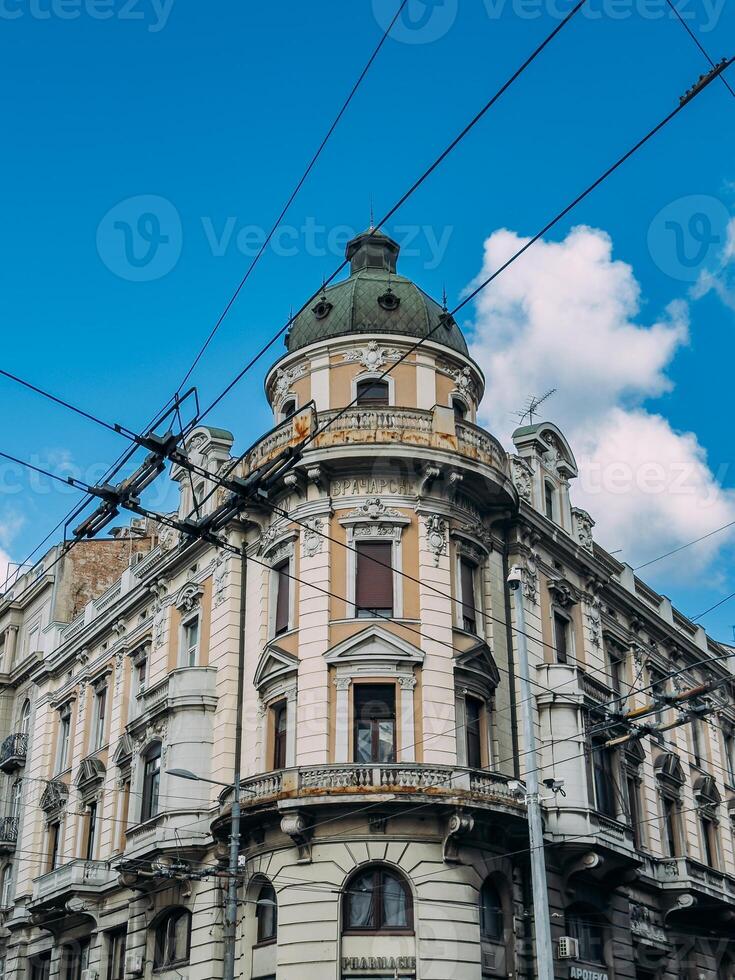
pixel 565 316
pixel 722 280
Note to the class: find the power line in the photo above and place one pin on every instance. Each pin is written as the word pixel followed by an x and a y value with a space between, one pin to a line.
pixel 683 547
pixel 292 196
pixel 699 44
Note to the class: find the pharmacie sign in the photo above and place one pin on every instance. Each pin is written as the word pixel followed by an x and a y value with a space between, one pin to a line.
pixel 364 964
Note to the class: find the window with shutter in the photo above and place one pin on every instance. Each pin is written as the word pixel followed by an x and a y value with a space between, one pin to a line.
pixel 283 597
pixel 374 585
pixel 467 585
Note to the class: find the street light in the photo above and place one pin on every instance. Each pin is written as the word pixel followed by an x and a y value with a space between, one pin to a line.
pixel 187 774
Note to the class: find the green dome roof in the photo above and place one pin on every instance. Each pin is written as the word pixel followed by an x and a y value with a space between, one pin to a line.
pixel 374 299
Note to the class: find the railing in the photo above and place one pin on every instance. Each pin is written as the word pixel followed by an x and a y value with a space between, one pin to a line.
pixel 395 778
pixel 83 876
pixel 683 872
pixel 407 426
pixel 8 831
pixel 13 750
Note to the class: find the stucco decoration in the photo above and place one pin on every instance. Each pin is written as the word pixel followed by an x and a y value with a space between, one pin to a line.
pixel 219 578
pixel 270 534
pixel 168 537
pixel 462 377
pixel 593 620
pixel 373 356
pixel 54 798
pixel 522 476
pixel 436 536
pixel 189 597
pixel 529 572
pixel 373 510
pixel 312 538
pixel 285 378
pixel 583 525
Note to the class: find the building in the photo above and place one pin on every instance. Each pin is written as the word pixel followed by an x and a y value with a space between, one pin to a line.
pixel 384 824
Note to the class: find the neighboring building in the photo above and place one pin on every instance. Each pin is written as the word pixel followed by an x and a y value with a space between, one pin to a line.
pixel 383 833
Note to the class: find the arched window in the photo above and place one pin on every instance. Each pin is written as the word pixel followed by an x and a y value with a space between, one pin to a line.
pixel 288 408
pixel 151 781
pixel 25 718
pixel 549 500
pixel 266 914
pixel 377 900
pixel 172 939
pixel 460 410
pixel 372 393
pixel 6 883
pixel 587 925
pixel 16 796
pixel 492 926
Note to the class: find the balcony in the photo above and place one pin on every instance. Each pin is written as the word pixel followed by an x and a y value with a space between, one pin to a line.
pixel 13 752
pixel 184 688
pixel 8 834
pixel 694 894
pixel 443 783
pixel 77 878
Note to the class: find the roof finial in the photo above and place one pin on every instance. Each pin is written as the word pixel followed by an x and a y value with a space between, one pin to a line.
pixel 444 298
pixel 372 214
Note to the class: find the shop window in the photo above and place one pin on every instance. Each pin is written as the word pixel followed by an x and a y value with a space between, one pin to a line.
pixel 374 579
pixel 372 393
pixel 281 571
pixel 116 943
pixel 374 723
pixel 266 914
pixel 377 900
pixel 586 925
pixel 151 782
pixel 172 939
pixel 280 734
pixel 492 925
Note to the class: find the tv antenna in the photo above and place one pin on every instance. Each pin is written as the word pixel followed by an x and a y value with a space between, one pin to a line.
pixel 533 405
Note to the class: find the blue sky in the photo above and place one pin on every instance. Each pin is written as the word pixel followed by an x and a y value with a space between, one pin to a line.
pixel 205 115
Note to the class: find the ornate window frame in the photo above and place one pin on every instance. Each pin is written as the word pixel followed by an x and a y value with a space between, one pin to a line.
pixel 472 550
pixel 374 521
pixel 189 604
pixel 276 680
pixel 282 549
pixel 375 654
pixel 373 376
pixel 476 675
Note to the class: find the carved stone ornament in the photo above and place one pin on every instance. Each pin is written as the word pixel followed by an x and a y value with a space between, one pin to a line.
pixel 583 525
pixel 189 597
pixel 373 510
pixel 529 573
pixel 436 536
pixel 312 538
pixel 168 537
pixel 54 798
pixel 270 534
pixel 562 593
pixel 159 623
pixel 373 356
pixel 477 530
pixel 594 621
pixel 285 378
pixel 462 377
pixel 219 578
pixel 522 476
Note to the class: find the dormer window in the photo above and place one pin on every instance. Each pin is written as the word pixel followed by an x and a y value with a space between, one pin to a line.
pixel 373 393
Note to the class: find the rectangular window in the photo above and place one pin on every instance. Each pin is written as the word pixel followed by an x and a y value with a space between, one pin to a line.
pixel 140 672
pixel 617 664
pixel 74 960
pixel 191 642
pixel 473 724
pixel 62 752
pixel 467 585
pixel 91 830
pixel 604 780
pixel 709 841
pixel 561 638
pixel 283 597
pixel 54 844
pixel 634 808
pixel 729 739
pixel 658 690
pixel 100 707
pixel 375 723
pixel 116 942
pixel 671 827
pixel 151 783
pixel 549 500
pixel 696 741
pixel 40 966
pixel 280 734
pixel 374 579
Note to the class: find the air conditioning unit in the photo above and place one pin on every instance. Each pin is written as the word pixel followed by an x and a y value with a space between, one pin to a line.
pixel 568 948
pixel 134 964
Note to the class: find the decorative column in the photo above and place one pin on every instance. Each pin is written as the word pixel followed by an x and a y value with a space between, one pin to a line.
pixel 291 705
pixel 408 729
pixel 342 719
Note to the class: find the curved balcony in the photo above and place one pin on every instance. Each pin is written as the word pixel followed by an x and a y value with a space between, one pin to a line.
pixel 13 752
pixel 435 430
pixel 341 781
pixel 8 834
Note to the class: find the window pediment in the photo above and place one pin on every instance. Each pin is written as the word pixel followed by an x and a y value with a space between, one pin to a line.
pixel 706 793
pixel 374 644
pixel 274 664
pixel 54 797
pixel 478 662
pixel 669 770
pixel 124 752
pixel 189 597
pixel 90 776
pixel 374 511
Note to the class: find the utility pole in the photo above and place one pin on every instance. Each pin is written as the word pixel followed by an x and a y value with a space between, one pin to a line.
pixel 230 926
pixel 542 923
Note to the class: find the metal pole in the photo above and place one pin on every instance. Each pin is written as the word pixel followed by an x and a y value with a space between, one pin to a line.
pixel 230 927
pixel 542 923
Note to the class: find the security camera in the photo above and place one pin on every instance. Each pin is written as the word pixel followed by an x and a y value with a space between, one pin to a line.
pixel 515 576
pixel 555 785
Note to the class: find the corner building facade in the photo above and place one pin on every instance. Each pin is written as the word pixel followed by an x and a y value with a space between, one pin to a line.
pixel 384 828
